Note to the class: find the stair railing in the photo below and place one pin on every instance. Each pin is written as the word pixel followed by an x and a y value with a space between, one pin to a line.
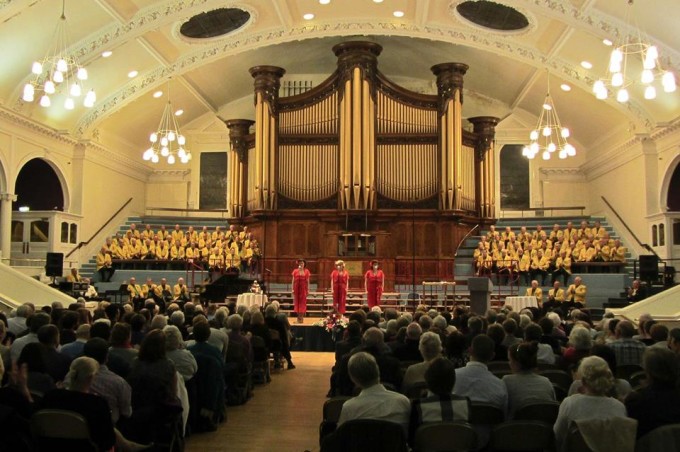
pixel 106 223
pixel 643 245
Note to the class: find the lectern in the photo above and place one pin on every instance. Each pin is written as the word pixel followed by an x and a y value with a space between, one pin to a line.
pixel 480 294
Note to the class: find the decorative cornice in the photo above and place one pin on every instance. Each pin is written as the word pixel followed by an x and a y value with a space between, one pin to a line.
pixel 30 124
pixel 244 42
pixel 531 18
pixel 615 157
pixel 169 175
pixel 561 174
pixel 666 129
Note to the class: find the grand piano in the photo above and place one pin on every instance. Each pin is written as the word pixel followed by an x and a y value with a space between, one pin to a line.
pixel 227 284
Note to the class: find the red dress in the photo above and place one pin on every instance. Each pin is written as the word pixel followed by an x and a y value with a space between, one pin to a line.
pixel 340 280
pixel 374 287
pixel 300 290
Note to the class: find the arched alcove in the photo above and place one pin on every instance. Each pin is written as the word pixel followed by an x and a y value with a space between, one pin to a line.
pixel 39 187
pixel 673 192
pixel 514 169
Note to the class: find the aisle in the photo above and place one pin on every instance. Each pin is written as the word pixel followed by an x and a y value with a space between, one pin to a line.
pixel 284 415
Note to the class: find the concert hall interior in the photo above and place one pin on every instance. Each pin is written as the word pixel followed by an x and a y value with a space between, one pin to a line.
pixel 221 142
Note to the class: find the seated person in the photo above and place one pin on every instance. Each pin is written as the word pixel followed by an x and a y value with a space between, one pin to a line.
pixel 74 276
pixel 136 293
pixel 535 291
pixel 164 293
pixel 430 347
pixel 104 265
pixel 374 401
pixel 440 404
pixel 524 385
pixel 181 291
pixel 576 294
pixel 637 291
pixel 555 297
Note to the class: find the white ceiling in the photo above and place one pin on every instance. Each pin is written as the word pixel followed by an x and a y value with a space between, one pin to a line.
pixel 507 75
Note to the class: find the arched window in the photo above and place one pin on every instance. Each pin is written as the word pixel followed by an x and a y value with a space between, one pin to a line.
pixel 673 200
pixel 514 169
pixel 38 187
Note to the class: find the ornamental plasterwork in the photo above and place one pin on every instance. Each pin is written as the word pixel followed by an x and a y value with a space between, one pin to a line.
pixel 175 32
pixel 242 43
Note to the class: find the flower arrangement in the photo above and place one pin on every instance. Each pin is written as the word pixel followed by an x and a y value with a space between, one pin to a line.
pixel 333 322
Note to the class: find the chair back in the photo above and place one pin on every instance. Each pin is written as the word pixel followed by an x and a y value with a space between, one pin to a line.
pixel 558 377
pixel 445 436
pixel 416 390
pixel 52 429
pixel 485 414
pixel 366 435
pixel 522 436
pixel 560 392
pixel 637 379
pixel 542 411
pixel 666 437
pixel 494 366
pixel 627 370
pixel 333 407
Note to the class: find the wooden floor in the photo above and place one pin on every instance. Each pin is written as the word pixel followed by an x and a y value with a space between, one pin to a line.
pixel 283 416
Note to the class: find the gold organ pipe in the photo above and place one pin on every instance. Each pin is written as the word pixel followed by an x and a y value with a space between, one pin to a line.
pixel 451 157
pixel 272 161
pixel 347 151
pixel 458 136
pixel 258 151
pixel 366 143
pixel 265 155
pixel 371 156
pixel 356 136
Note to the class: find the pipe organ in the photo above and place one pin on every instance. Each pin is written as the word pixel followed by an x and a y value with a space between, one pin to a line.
pixel 359 142
pixel 361 156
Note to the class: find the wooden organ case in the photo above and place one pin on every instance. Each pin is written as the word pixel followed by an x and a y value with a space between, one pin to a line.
pixel 360 168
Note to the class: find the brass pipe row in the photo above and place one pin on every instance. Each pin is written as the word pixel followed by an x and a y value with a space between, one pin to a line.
pixel 407 172
pixel 320 118
pixel 395 117
pixel 308 172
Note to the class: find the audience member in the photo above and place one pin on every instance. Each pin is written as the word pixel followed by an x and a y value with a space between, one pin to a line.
pixel 524 385
pixel 430 347
pixel 628 350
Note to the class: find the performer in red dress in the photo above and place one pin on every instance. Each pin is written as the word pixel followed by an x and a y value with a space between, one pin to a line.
pixel 300 289
pixel 374 281
pixel 339 283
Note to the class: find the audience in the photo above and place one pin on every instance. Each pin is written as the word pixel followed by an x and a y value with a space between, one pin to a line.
pixel 525 385
pixel 628 350
pixel 430 348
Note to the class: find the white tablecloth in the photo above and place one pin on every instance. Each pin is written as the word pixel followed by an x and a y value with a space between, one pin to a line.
pixel 250 299
pixel 519 303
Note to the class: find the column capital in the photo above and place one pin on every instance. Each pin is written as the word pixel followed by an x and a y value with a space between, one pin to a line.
pixel 11 197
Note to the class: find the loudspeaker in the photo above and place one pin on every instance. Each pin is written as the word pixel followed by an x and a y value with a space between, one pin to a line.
pixel 649 267
pixel 54 264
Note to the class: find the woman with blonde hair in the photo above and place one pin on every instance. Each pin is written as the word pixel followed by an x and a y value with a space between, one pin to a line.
pixel 594 403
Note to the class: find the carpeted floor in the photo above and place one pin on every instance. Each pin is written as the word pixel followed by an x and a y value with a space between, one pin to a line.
pixel 283 416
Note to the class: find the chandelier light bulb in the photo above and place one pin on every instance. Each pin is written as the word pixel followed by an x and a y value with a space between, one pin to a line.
pixel 534 148
pixel 82 74
pixel 45 101
pixel 531 156
pixel 171 159
pixel 145 156
pixel 565 132
pixel 165 151
pixel 668 82
pixel 29 93
pixel 547 106
pixel 58 76
pixel 155 158
pixel 49 87
pixel 650 93
pixel 562 154
pixel 533 135
pixel 171 136
pixel 622 95
pixel 525 151
pixel 184 159
pixel 181 140
pixel 75 90
pixel 90 98
pixel 62 66
pixel 546 155
pixel 181 153
pixel 570 150
pixel 164 141
pixel 153 137
pixel 547 131
pixel 651 55
pixel 616 56
pixel 614 66
pixel 617 79
pixel 601 94
pixel 647 76
pixel 69 104
pixel 552 147
pixel 37 68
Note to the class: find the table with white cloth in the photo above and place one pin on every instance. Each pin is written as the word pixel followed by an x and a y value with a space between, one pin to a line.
pixel 519 303
pixel 250 299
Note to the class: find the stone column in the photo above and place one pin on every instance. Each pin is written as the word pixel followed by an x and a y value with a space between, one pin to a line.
pixel 6 200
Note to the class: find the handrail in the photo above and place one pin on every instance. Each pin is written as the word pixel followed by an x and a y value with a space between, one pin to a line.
pixel 464 239
pixel 644 245
pixel 543 209
pixel 81 244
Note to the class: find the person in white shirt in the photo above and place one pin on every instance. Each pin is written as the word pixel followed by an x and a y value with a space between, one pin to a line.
pixel 374 401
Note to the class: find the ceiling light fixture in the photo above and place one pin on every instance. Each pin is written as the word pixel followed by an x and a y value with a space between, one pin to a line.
pixel 107 53
pixel 623 73
pixel 158 94
pixel 565 87
pixel 398 13
pixel 586 64
pixel 324 2
pixel 133 74
pixel 308 16
pixel 167 141
pixel 59 69
pixel 549 135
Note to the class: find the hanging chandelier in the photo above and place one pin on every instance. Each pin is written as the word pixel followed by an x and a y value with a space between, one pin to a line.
pixel 624 71
pixel 167 141
pixel 59 70
pixel 549 135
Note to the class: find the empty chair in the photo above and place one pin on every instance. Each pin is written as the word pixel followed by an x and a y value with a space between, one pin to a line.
pixel 331 413
pixel 485 414
pixel 522 435
pixel 61 429
pixel 366 435
pixel 445 436
pixel 558 377
pixel 542 411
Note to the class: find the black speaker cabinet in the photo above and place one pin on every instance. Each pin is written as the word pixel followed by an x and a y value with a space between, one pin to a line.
pixel 649 267
pixel 54 264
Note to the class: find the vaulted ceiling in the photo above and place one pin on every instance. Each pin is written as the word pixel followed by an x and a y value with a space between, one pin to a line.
pixel 508 75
